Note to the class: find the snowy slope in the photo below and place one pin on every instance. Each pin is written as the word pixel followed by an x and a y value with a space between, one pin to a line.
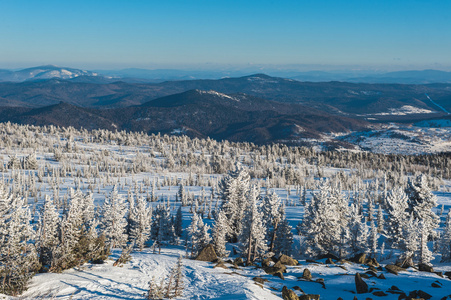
pixel 44 72
pixel 131 281
pixel 203 281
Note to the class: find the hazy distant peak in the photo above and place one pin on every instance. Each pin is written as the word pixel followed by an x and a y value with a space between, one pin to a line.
pixel 44 72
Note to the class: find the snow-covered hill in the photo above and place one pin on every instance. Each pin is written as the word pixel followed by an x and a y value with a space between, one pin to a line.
pixel 44 72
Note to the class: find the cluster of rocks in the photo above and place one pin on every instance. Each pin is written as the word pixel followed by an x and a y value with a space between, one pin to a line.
pixel 278 266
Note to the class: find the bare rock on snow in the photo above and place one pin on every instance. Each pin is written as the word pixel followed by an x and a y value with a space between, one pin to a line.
pixel 425 268
pixel 360 285
pixel 307 275
pixel 394 269
pixel 288 294
pixel 288 261
pixel 207 254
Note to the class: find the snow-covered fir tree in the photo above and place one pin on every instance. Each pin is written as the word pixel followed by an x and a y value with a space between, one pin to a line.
pixel 396 224
pixel 31 163
pixel 425 255
pixel 358 231
pixel 374 235
pixel 47 233
pixel 114 221
pixel 321 226
pixel 233 189
pixel 178 222
pixel 71 231
pixel 18 256
pixel 162 230
pixel 198 234
pixel 220 230
pixel 182 196
pixel 411 241
pixel 141 217
pixel 252 235
pixel 283 243
pixel 444 245
pixel 271 217
pixel 421 201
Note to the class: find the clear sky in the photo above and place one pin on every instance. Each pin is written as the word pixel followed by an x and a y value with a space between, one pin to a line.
pixel 403 34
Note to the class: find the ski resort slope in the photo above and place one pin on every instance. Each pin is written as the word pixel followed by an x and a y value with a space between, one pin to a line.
pixel 131 281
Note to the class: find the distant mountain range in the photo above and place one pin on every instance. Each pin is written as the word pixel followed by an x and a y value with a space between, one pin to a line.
pixel 43 73
pixel 135 75
pixel 196 113
pixel 256 108
pixel 339 98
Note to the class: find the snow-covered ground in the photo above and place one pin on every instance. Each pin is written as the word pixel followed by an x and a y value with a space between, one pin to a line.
pixel 203 281
pixel 397 139
pixel 405 110
pixel 131 281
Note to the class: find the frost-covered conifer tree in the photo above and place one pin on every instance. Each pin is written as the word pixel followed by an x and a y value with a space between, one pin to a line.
pixel 114 223
pixel 420 204
pixel 373 239
pixel 89 220
pixel 31 162
pixel 321 226
pixel 358 231
pixel 182 196
pixel 198 234
pixel 271 217
pixel 380 219
pixel 421 201
pixel 425 255
pixel 397 218
pixel 47 235
pixel 220 234
pixel 66 256
pixel 141 217
pixel 178 222
pixel 162 230
pixel 284 236
pixel 252 236
pixel 233 189
pixel 411 241
pixel 444 245
pixel 18 257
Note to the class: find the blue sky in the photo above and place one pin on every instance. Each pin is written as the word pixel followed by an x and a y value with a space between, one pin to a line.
pixel 403 34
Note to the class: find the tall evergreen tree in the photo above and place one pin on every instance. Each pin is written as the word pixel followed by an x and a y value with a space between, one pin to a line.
pixel 141 216
pixel 373 239
pixel 396 224
pixel 178 222
pixel 358 231
pixel 18 257
pixel 198 234
pixel 445 240
pixel 284 236
pixel 252 236
pixel 421 201
pixel 321 226
pixel 114 223
pixel 47 235
pixel 271 215
pixel 162 230
pixel 220 234
pixel 233 189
